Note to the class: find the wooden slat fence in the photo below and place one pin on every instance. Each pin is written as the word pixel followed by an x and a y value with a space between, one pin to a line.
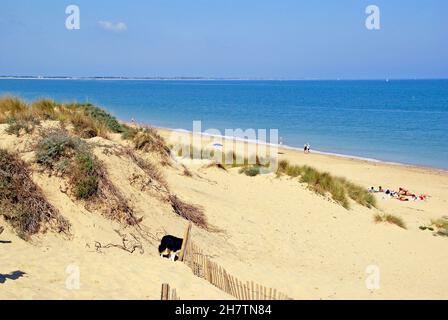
pixel 168 294
pixel 203 267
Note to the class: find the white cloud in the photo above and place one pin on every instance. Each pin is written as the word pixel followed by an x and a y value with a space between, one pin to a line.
pixel 110 26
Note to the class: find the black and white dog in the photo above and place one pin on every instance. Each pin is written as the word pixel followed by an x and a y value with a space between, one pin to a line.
pixel 169 246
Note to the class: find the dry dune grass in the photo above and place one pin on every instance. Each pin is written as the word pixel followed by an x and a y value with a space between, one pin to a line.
pixel 189 212
pixel 151 169
pixel 70 156
pixel 86 119
pixel 186 172
pixel 322 183
pixel 340 189
pixel 17 115
pixel 149 140
pixel 22 203
pixel 389 218
pixel 113 203
pixel 11 107
pixel 441 225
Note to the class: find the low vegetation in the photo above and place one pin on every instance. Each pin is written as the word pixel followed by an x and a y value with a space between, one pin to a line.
pixel 250 171
pixel 151 170
pixel 129 132
pixel 88 121
pixel 216 165
pixel 66 155
pixel 441 225
pixel 186 172
pixel 324 183
pixel 22 202
pixel 378 218
pixel 83 119
pixel 72 157
pixel 189 212
pixel 17 115
pixel 149 140
pixel 227 159
pixel 25 124
pixel 11 107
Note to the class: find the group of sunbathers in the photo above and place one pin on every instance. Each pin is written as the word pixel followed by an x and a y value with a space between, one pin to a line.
pixel 402 194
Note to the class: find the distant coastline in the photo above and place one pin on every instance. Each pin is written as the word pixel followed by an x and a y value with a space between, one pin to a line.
pixel 190 78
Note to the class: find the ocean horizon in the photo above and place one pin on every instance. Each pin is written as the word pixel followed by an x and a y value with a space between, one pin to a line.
pixel 398 121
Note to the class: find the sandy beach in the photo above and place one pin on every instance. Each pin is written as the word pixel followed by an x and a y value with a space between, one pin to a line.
pixel 275 231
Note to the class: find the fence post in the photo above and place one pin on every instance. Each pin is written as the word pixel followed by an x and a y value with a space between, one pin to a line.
pixel 185 243
pixel 165 291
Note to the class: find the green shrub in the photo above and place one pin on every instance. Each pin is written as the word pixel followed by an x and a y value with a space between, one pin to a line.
pixel 57 146
pixel 251 171
pixel 72 156
pixel 86 187
pixel 102 117
pixel 129 133
pixel 84 178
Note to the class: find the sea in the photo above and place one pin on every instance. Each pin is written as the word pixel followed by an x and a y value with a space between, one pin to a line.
pixel 399 121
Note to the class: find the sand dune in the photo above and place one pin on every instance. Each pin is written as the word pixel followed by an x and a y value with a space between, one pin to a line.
pixel 276 232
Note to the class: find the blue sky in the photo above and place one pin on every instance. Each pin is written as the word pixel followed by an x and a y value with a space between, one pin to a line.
pixel 226 38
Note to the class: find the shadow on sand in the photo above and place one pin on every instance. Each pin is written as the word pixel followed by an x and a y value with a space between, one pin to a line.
pixel 11 276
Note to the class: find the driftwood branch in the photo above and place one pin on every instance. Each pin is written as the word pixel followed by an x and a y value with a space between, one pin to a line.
pixel 129 245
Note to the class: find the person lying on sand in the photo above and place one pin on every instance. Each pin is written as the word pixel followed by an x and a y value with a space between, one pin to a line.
pixel 380 189
pixel 404 192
